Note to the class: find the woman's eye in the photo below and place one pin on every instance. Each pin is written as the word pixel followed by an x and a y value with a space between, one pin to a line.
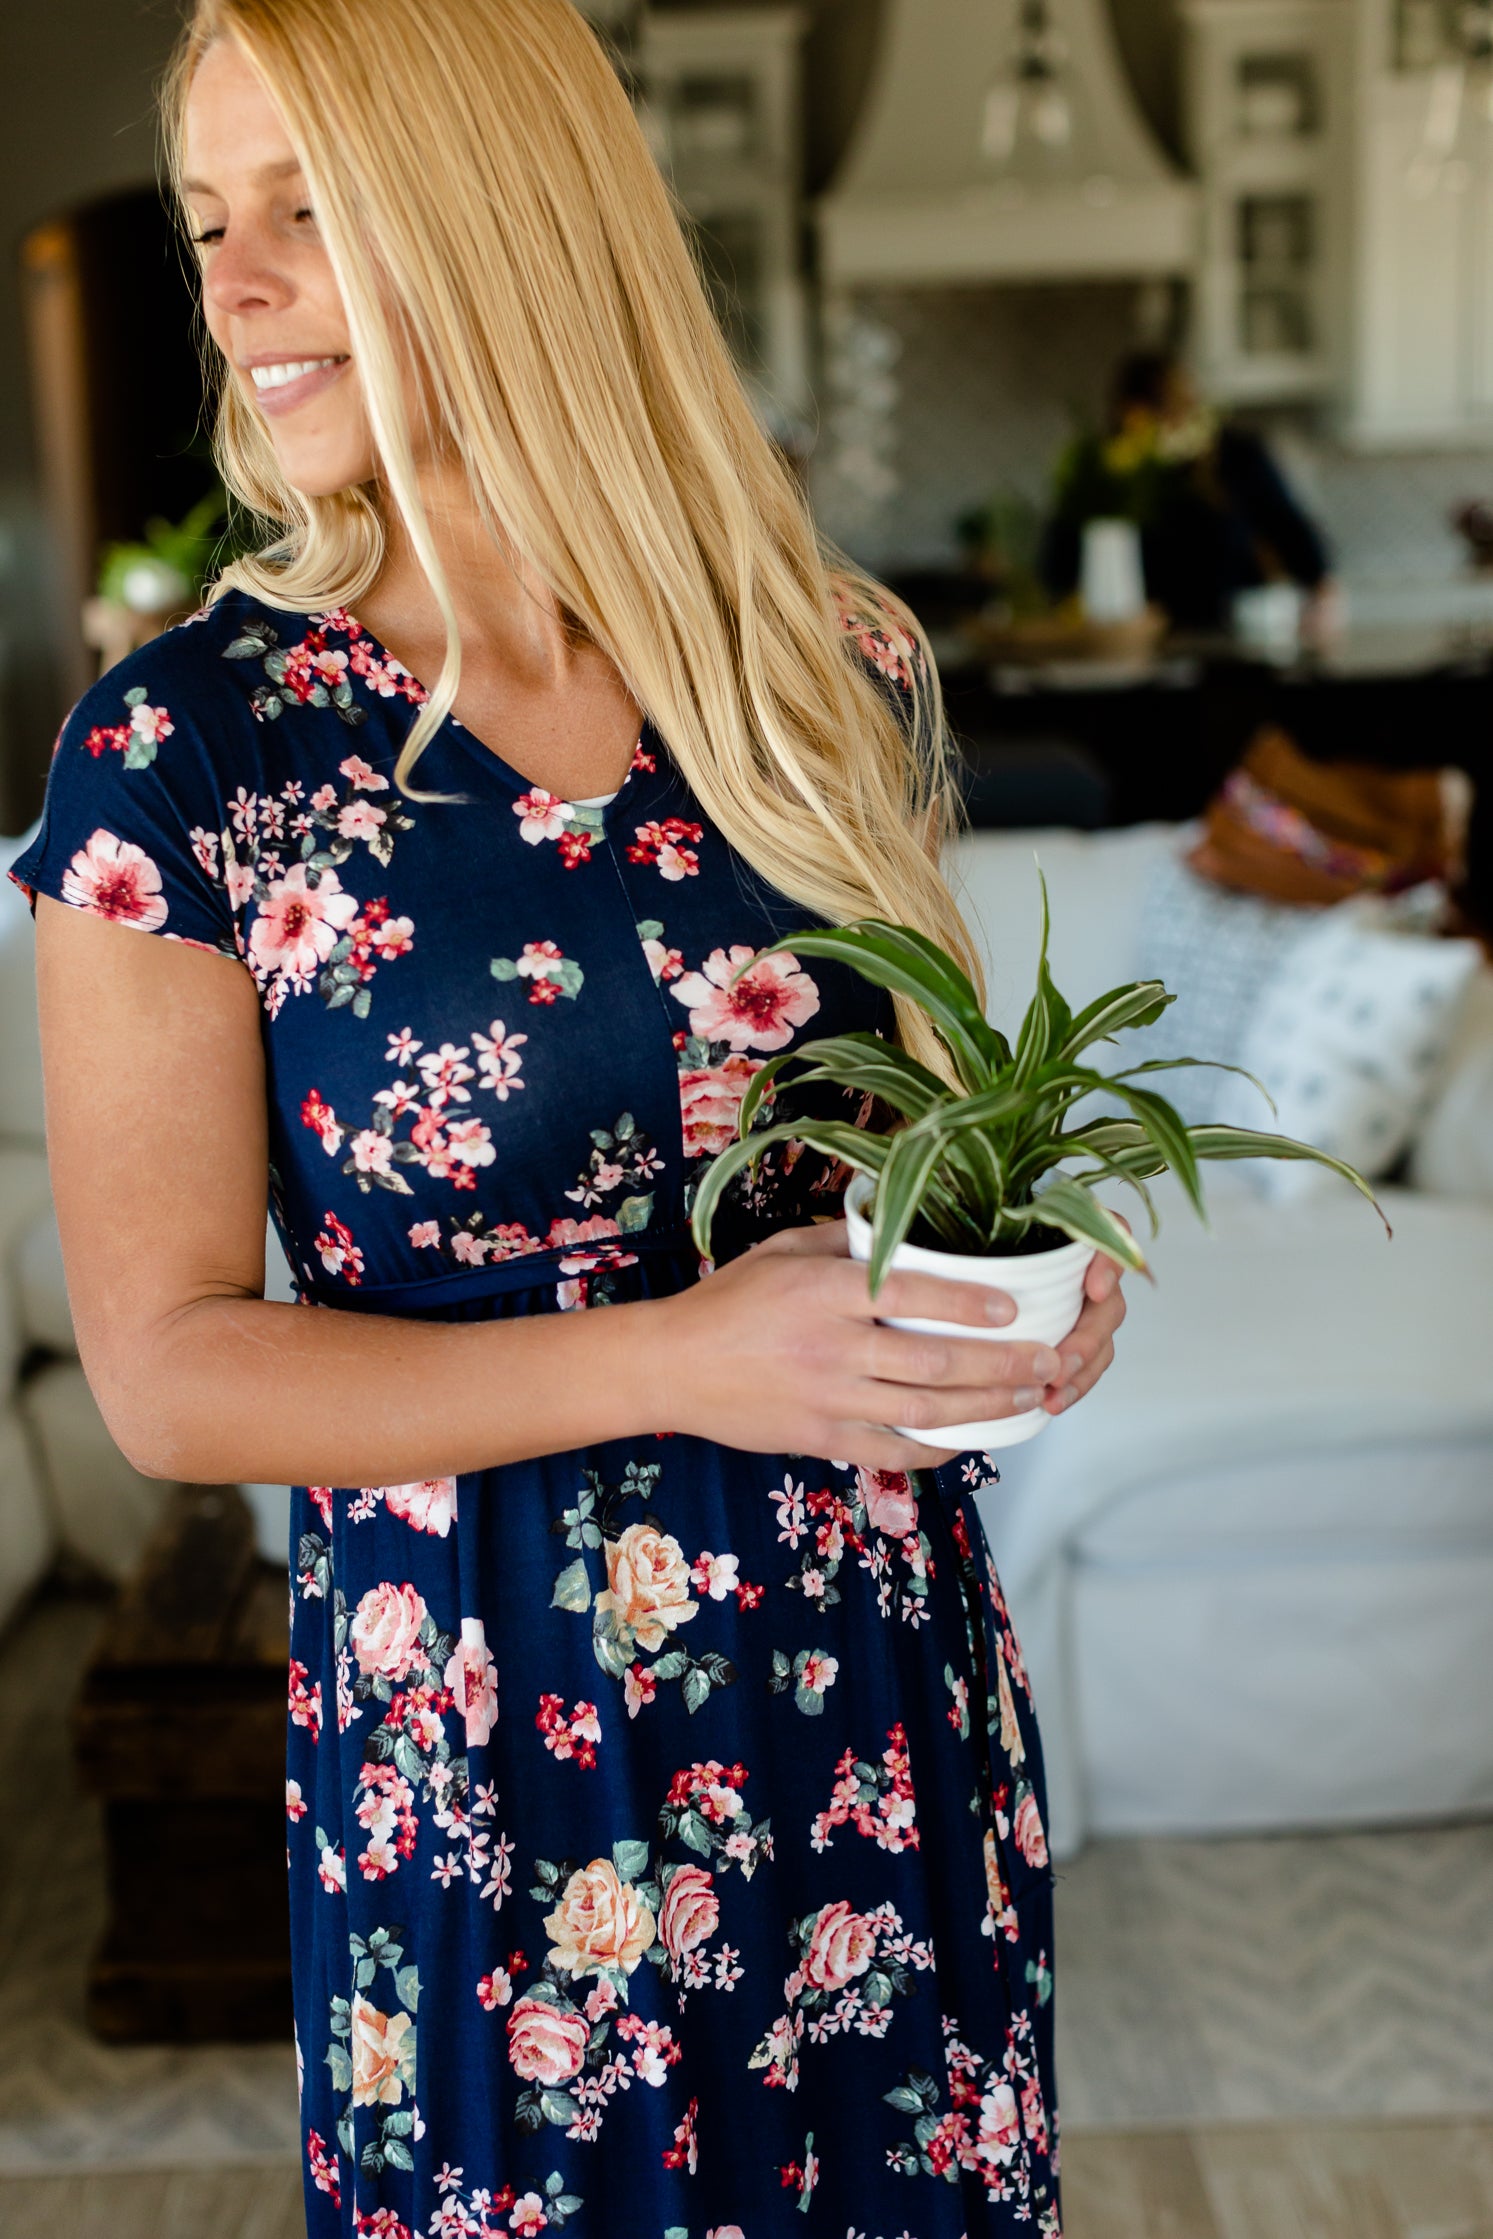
pixel 214 233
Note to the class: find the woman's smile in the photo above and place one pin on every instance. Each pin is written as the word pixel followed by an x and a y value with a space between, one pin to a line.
pixel 281 384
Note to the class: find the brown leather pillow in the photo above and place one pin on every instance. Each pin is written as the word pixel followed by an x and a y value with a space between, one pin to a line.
pixel 1295 830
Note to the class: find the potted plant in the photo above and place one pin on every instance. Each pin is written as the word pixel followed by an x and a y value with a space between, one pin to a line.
pixel 994 1181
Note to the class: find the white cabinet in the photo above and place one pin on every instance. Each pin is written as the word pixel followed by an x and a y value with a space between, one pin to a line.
pixel 1266 102
pixel 1422 346
pixel 720 99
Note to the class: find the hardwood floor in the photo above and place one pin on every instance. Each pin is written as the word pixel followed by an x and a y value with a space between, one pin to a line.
pixel 1329 2180
pixel 1320 2180
pixel 262 2203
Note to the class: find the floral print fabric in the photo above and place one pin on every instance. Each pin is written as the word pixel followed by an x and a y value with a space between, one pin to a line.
pixel 665 1822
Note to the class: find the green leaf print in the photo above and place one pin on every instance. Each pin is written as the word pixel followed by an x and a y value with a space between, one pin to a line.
pixel 572 1588
pixel 629 1858
pixel 634 1213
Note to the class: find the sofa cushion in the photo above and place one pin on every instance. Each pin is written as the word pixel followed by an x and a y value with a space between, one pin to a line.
pixel 105 1509
pixel 1349 1036
pixel 1453 1150
pixel 28 1533
pixel 25 1196
pixel 41 1288
pixel 1096 882
pixel 21 1119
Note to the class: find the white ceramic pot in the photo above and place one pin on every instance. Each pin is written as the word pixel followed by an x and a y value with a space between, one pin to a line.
pixel 1048 1291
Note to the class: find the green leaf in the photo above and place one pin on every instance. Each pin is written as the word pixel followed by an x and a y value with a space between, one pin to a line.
pixel 906 2101
pixel 904 962
pixel 668 1666
pixel 1246 1142
pixel 572 1588
pixel 1140 1003
pixel 650 928
pixel 857 1146
pixel 139 754
pixel 694 1688
pixel 407 1985
pixel 635 1213
pixel 1047 1017
pixel 340 2063
pixel 630 1859
pixel 863 1061
pixel 1073 1208
pixel 503 968
pixel 809 1701
pixel 899 1194
pixel 567 975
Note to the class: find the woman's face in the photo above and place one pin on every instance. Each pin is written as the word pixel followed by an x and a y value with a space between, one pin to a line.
pixel 269 296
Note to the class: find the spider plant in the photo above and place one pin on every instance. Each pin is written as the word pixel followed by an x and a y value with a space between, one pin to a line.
pixel 1004 1164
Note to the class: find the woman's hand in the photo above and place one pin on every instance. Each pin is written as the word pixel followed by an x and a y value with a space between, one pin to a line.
pixel 1089 1347
pixel 783 1351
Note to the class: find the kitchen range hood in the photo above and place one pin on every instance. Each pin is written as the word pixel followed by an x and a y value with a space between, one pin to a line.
pixel 917 200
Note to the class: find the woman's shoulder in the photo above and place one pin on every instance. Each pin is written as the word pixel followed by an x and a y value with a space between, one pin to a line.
pixel 173 685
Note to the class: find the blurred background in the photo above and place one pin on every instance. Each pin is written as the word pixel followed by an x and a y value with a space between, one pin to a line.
pixel 1146 347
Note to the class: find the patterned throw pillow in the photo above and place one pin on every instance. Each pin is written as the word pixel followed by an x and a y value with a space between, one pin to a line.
pixel 1350 1036
pixel 1216 951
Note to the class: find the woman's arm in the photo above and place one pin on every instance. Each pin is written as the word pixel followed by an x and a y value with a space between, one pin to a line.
pixel 155 1097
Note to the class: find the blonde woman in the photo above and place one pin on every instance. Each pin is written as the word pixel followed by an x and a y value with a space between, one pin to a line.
pixel 665 1801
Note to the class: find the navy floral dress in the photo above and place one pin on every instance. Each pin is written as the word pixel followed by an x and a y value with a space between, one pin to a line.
pixel 665 1822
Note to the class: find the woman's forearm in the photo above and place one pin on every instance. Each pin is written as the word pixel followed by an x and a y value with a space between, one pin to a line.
pixel 242 1390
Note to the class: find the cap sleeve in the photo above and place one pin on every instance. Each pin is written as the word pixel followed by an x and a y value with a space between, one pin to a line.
pixel 132 815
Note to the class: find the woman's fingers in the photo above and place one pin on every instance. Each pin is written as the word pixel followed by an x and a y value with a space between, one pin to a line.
pixel 898 1356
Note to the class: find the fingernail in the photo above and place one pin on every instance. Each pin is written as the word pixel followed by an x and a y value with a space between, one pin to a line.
pixel 1067 1395
pixel 999 1308
pixel 1023 1399
pixel 1047 1365
pixel 1071 1364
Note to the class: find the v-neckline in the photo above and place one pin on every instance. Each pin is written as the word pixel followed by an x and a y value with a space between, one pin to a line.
pixel 489 754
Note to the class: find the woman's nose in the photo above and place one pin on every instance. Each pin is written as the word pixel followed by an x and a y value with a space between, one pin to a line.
pixel 239 277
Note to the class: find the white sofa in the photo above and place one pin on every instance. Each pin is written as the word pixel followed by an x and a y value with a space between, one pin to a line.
pixel 1252 1574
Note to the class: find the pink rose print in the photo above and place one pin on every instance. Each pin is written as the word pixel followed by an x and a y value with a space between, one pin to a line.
pixel 385 1632
pixel 430 1506
pixel 546 2044
pixel 472 1677
pixel 842 1946
pixel 760 1011
pixel 691 1911
pixel 710 1103
pixel 299 925
pixel 113 878
pixel 891 1503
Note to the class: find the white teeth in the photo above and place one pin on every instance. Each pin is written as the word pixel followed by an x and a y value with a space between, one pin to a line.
pixel 290 369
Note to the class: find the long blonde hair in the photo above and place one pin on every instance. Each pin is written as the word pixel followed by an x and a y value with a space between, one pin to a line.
pixel 494 217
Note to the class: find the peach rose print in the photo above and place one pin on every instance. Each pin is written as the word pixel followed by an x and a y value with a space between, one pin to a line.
pixel 600 1921
pixel 647 1585
pixel 383 2055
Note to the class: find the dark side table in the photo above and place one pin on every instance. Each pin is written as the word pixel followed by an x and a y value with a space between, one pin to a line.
pixel 179 1729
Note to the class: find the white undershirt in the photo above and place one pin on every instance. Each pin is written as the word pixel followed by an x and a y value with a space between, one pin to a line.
pixel 596 800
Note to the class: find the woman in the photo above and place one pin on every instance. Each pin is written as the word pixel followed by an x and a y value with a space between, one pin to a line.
pixel 662 1761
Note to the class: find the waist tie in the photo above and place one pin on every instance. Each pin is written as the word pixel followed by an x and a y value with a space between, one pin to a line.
pixel 522 1271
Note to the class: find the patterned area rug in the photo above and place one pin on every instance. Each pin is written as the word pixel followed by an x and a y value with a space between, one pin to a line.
pixel 1198 1982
